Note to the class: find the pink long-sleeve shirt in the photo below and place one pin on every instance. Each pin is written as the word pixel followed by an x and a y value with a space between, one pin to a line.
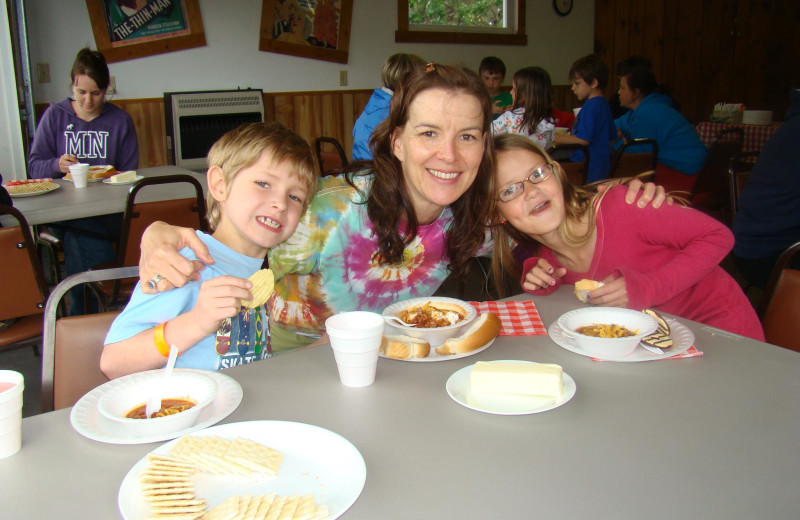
pixel 670 260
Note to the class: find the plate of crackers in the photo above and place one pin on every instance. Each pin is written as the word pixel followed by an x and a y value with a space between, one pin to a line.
pixel 246 470
pixel 672 337
pixel 30 187
pixel 87 420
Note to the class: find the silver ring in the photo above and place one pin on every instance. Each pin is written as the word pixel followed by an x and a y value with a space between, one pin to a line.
pixel 152 284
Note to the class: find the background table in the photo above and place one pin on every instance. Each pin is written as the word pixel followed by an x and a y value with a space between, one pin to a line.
pixel 755 136
pixel 99 198
pixel 712 437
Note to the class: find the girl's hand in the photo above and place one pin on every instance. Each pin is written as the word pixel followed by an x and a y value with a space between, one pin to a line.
pixel 542 276
pixel 613 294
pixel 65 161
pixel 219 298
pixel 159 256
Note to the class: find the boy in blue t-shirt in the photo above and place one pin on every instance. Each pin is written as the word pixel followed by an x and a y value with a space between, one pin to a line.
pixel 594 127
pixel 261 178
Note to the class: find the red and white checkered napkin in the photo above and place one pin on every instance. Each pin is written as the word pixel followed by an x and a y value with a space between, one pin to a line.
pixel 518 318
pixel 692 352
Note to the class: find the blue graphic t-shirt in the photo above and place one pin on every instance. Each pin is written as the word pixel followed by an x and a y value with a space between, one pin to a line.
pixel 238 340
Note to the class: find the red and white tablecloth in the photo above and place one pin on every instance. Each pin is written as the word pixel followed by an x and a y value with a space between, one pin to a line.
pixel 755 136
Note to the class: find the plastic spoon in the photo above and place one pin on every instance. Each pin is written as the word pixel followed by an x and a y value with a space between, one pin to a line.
pixel 153 404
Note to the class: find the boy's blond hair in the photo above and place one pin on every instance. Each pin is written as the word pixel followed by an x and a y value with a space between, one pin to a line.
pixel 242 147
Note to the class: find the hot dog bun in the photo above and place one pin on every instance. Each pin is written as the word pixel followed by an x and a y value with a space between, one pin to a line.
pixel 101 172
pixel 485 328
pixel 404 347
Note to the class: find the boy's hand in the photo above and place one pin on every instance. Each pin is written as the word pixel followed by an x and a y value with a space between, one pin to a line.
pixel 614 293
pixel 219 298
pixel 159 256
pixel 497 109
pixel 542 275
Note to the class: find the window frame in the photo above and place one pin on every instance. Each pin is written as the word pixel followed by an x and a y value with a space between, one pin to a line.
pixel 405 35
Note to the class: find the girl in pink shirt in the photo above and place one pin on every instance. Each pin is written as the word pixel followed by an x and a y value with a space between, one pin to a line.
pixel 666 258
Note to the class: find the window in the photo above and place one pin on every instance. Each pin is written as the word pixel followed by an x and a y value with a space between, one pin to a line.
pixel 500 22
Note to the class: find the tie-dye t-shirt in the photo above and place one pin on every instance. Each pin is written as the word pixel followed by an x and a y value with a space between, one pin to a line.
pixel 328 265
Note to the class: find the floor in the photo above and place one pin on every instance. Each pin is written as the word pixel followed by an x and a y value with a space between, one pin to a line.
pixel 474 288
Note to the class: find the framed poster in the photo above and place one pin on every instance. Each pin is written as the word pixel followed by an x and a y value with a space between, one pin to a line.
pixel 128 29
pixel 317 29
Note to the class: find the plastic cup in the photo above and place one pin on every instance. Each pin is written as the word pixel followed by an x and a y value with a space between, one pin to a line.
pixel 80 174
pixel 355 338
pixel 11 386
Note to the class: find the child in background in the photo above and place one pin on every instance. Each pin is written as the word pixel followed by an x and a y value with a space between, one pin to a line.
pixel 260 180
pixel 492 71
pixel 532 110
pixel 665 258
pixel 595 126
pixel 395 69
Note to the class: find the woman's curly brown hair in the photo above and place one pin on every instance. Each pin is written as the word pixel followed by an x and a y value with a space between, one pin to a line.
pixel 388 200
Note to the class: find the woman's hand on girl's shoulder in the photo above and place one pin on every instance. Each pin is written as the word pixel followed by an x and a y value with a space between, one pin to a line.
pixel 542 276
pixel 639 192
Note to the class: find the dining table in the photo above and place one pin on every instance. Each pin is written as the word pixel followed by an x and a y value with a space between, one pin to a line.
pixel 711 436
pixel 100 198
pixel 755 136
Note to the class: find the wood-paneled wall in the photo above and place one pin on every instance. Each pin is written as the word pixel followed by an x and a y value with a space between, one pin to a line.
pixel 708 51
pixel 310 114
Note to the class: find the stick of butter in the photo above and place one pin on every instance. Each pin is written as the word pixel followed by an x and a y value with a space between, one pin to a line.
pixel 515 378
pixel 123 177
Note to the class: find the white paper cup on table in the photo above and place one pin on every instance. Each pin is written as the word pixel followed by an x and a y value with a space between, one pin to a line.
pixel 80 174
pixel 11 386
pixel 356 338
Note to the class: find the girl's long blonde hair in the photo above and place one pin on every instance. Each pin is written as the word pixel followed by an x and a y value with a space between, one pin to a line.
pixel 506 268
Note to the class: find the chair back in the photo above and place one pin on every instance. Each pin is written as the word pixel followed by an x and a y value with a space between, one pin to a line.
pixel 576 172
pixel 780 305
pixel 331 157
pixel 713 177
pixel 72 346
pixel 738 175
pixel 23 287
pixel 632 164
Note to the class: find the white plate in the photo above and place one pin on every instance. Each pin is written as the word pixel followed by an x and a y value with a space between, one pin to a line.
pixel 458 387
pixel 69 179
pixel 87 420
pixel 137 179
pixel 33 194
pixel 315 460
pixel 682 340
pixel 433 356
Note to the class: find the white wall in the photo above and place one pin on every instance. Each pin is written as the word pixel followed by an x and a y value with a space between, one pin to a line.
pixel 58 28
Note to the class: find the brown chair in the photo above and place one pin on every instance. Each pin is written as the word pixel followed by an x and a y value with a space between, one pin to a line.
pixel 23 288
pixel 73 345
pixel 738 175
pixel 577 172
pixel 331 158
pixel 711 190
pixel 779 308
pixel 186 212
pixel 632 164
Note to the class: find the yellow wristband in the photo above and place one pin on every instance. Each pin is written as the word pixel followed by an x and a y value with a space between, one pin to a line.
pixel 161 342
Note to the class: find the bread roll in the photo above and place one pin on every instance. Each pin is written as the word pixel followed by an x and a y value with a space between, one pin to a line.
pixel 101 172
pixel 404 347
pixel 485 328
pixel 584 287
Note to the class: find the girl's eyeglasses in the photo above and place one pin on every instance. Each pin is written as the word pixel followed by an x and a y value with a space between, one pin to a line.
pixel 515 190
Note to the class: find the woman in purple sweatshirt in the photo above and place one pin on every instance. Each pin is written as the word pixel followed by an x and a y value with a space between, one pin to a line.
pixel 665 258
pixel 89 130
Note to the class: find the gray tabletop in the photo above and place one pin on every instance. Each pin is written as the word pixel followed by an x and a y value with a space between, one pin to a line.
pixel 706 437
pixel 98 198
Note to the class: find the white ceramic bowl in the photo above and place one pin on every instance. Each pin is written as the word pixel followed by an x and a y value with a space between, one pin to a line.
pixel 133 390
pixel 435 336
pixel 607 347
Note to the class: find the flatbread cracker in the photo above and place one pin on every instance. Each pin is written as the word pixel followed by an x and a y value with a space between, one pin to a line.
pixel 226 510
pixel 263 284
pixel 255 456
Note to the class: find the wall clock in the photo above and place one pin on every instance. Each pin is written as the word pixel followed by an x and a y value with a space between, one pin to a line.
pixel 562 7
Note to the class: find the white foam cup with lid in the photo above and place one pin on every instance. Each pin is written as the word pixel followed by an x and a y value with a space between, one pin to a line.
pixel 355 338
pixel 11 386
pixel 80 174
